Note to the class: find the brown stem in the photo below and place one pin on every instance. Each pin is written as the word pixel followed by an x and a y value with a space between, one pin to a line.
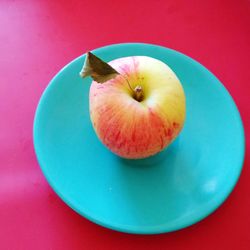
pixel 138 93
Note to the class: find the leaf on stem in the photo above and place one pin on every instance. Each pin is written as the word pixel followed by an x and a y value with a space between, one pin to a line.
pixel 99 70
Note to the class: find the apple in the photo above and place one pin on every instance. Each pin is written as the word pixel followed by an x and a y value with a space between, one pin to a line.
pixel 140 110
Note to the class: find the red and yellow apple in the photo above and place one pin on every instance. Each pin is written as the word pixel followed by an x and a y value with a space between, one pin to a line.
pixel 141 110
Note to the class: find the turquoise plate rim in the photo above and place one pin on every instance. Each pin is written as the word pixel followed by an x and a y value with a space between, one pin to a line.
pixel 117 227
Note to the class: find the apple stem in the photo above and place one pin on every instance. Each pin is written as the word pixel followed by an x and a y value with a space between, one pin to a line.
pixel 138 93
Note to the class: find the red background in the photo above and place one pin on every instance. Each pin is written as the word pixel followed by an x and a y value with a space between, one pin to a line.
pixel 37 38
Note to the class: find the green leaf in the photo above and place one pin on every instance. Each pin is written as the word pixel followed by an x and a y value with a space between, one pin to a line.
pixel 99 70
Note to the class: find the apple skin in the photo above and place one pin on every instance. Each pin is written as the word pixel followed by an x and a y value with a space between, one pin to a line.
pixel 133 129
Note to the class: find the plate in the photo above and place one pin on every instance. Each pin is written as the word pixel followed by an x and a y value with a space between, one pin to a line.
pixel 169 191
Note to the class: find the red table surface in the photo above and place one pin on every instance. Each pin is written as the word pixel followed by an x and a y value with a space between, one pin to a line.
pixel 37 38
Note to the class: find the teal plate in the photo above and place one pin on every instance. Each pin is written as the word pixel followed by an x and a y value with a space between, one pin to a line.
pixel 169 191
